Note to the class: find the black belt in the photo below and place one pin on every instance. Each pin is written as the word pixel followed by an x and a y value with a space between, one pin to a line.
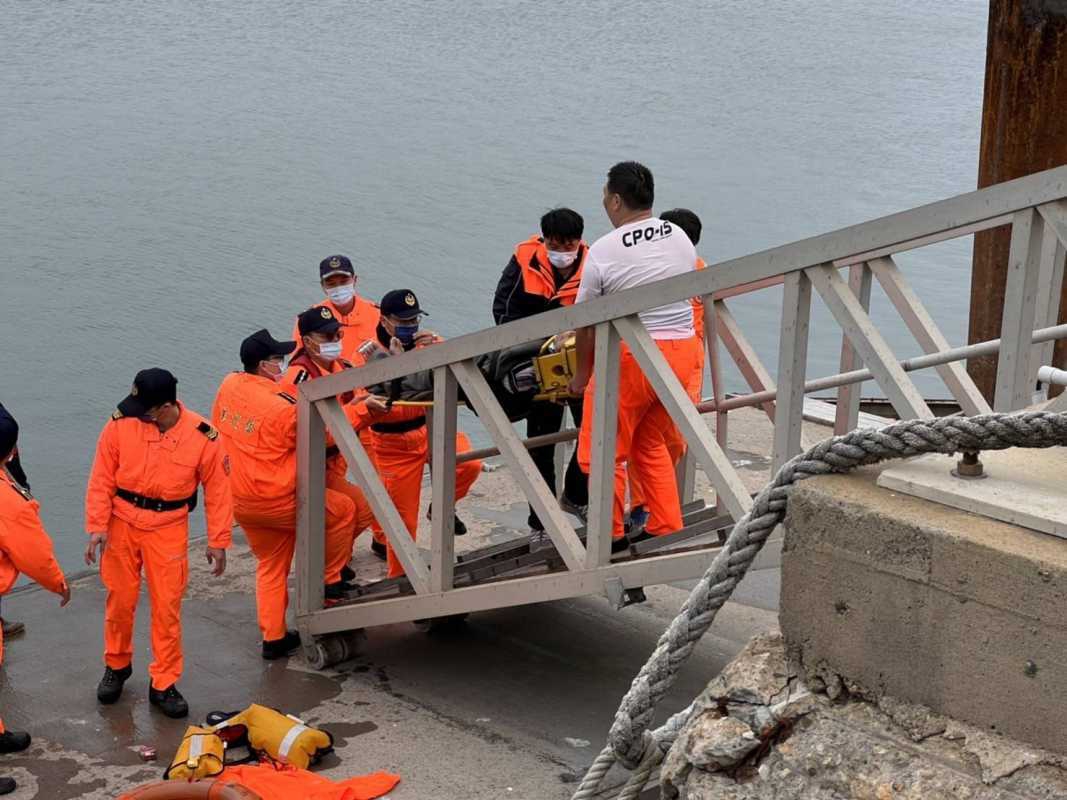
pixel 333 450
pixel 154 503
pixel 399 427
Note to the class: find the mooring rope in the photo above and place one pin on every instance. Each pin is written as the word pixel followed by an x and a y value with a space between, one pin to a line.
pixel 630 742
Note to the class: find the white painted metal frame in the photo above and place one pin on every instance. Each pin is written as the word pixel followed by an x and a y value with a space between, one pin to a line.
pixel 1034 205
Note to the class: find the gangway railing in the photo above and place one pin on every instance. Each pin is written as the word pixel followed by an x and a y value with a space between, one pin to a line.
pixel 1034 206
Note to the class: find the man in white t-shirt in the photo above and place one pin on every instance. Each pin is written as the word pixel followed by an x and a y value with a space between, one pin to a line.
pixel 642 249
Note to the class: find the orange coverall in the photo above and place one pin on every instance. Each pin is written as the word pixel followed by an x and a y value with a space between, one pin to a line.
pixel 24 544
pixel 646 438
pixel 135 456
pixel 257 420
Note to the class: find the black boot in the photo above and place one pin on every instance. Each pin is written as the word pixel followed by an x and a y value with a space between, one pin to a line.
pixel 458 528
pixel 337 591
pixel 169 701
pixel 14 741
pixel 7 785
pixel 378 548
pixel 110 687
pixel 347 574
pixel 280 648
pixel 620 545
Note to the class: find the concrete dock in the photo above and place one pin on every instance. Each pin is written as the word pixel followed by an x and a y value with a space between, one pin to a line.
pixel 512 704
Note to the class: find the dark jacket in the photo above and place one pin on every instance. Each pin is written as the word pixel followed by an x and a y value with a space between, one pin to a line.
pixel 528 287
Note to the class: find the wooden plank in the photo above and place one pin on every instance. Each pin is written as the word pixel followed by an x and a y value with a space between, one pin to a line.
pixel 522 466
pixel 605 423
pixel 1014 384
pixel 721 473
pixel 928 335
pixel 310 507
pixel 744 355
pixel 890 231
pixel 826 414
pixel 792 368
pixel 374 490
pixel 925 241
pixel 848 397
pixel 1051 286
pixel 869 343
pixel 443 471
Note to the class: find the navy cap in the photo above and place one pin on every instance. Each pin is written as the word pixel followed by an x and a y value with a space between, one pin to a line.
pixel 317 319
pixel 151 387
pixel 9 432
pixel 335 265
pixel 401 303
pixel 261 346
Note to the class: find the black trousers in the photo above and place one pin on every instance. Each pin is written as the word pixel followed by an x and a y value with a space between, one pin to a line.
pixel 545 418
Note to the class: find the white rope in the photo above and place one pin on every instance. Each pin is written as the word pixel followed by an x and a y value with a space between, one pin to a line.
pixel 630 742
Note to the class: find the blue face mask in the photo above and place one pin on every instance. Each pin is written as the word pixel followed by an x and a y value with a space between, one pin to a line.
pixel 406 333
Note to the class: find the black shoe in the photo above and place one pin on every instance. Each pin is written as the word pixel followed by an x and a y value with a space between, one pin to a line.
pixel 643 536
pixel 620 545
pixel 378 548
pixel 347 574
pixel 534 524
pixel 169 701
pixel 337 591
pixel 458 528
pixel 280 648
pixel 14 741
pixel 7 785
pixel 110 687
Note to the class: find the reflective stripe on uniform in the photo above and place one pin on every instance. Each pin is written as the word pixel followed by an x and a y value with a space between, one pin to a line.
pixel 287 743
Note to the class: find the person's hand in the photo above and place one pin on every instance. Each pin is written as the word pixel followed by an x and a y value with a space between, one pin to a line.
pixel 376 404
pixel 577 385
pixel 396 347
pixel 64 595
pixel 423 338
pixel 217 557
pixel 95 540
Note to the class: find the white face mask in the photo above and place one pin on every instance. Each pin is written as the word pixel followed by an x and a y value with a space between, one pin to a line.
pixel 275 376
pixel 342 295
pixel 561 259
pixel 329 351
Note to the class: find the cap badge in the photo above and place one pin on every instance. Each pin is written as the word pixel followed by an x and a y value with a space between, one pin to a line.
pixel 326 313
pixel 409 299
pixel 133 390
pixel 335 262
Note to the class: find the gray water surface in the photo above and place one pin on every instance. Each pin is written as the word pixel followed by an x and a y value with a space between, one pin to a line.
pixel 172 172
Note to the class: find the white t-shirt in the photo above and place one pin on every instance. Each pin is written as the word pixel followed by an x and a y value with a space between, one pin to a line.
pixel 637 254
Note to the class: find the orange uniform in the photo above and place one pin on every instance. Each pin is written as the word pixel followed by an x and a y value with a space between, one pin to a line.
pixel 257 420
pixel 359 324
pixel 24 544
pixel 137 467
pixel 302 367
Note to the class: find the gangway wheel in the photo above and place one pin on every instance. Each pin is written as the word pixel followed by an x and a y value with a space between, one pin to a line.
pixel 333 648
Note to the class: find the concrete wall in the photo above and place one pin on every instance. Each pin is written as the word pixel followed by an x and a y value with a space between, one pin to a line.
pixel 928 604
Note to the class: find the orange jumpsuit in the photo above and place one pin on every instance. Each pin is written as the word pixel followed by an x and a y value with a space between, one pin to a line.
pixel 24 544
pixel 134 456
pixel 303 368
pixel 257 420
pixel 646 438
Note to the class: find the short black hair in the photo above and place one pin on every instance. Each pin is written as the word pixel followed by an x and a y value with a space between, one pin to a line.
pixel 562 223
pixel 633 183
pixel 686 220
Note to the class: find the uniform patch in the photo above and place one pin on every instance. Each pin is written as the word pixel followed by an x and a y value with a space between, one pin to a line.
pixel 301 376
pixel 21 490
pixel 287 397
pixel 208 431
pixel 117 415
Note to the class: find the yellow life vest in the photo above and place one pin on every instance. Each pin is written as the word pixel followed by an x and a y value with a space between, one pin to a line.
pixel 283 737
pixel 200 755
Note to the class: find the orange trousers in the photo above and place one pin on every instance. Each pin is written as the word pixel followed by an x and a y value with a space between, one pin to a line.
pixel 163 554
pixel 645 437
pixel 676 447
pixel 401 460
pixel 270 527
pixel 363 518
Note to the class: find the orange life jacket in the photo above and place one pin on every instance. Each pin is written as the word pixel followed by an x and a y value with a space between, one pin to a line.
pixel 538 275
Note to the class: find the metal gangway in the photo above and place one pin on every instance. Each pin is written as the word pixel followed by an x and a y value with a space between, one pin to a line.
pixel 839 266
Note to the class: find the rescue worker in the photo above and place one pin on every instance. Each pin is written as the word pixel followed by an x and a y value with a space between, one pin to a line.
pixel 151 457
pixel 640 250
pixel 543 274
pixel 359 320
pixel 257 419
pixel 690 223
pixel 25 548
pixel 318 353
pixel 9 627
pixel 399 433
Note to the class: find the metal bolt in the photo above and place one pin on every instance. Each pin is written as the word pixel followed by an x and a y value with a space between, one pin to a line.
pixel 970 466
pixel 1030 670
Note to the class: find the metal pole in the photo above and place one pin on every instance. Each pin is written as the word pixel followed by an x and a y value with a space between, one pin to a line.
pixel 1024 130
